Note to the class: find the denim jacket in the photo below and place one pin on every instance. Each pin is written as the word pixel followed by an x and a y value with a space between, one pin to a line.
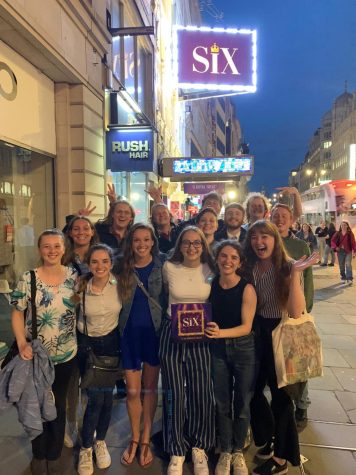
pixel 155 289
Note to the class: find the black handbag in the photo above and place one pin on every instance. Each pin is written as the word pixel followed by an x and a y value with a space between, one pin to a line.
pixel 14 350
pixel 99 371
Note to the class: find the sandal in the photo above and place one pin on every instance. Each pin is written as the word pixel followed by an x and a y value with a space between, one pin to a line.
pixel 144 448
pixel 129 451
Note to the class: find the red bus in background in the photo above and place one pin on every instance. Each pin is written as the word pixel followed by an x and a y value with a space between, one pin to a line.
pixel 334 201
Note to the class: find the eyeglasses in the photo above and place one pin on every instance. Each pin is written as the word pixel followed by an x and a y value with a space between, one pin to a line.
pixel 196 244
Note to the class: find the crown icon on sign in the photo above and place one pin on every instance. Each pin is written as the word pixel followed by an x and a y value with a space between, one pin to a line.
pixel 214 48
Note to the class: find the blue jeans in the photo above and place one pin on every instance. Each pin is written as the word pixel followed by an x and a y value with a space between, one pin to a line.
pixel 345 262
pixel 98 411
pixel 234 374
pixel 329 250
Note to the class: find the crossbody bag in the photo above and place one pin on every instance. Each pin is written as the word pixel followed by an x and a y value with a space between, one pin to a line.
pixel 100 371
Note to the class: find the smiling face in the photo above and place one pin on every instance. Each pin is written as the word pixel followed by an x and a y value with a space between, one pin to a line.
pixel 283 219
pixel 100 264
pixel 305 228
pixel 344 227
pixel 262 245
pixel 161 216
pixel 51 249
pixel 191 247
pixel 81 233
pixel 212 203
pixel 228 261
pixel 122 216
pixel 257 209
pixel 142 244
pixel 208 223
pixel 234 218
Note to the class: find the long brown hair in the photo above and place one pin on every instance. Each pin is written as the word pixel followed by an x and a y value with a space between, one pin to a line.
pixel 127 264
pixel 109 219
pixel 84 279
pixel 69 255
pixel 177 256
pixel 280 258
pixel 241 271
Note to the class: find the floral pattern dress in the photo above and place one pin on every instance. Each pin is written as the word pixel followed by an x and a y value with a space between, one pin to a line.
pixel 56 319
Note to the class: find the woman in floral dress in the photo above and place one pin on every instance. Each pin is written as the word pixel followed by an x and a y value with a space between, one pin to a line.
pixel 55 314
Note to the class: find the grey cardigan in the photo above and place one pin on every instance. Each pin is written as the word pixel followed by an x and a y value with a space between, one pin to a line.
pixel 155 289
pixel 28 385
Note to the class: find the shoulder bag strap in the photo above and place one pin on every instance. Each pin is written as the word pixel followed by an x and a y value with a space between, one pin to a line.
pixel 84 315
pixel 33 304
pixel 143 288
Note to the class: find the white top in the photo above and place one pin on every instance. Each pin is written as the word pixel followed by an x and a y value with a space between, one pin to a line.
pixel 102 309
pixel 187 284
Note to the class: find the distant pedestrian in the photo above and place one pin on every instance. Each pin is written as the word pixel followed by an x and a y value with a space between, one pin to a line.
pixel 321 232
pixel 306 234
pixel 343 242
pixel 328 249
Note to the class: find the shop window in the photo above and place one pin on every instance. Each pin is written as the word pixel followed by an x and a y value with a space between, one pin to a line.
pixel 26 209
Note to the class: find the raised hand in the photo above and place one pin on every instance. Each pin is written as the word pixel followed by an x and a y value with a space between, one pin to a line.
pixel 287 190
pixel 111 193
pixel 87 210
pixel 304 262
pixel 155 193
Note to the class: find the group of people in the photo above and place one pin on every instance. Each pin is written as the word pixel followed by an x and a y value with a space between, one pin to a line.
pixel 331 242
pixel 112 286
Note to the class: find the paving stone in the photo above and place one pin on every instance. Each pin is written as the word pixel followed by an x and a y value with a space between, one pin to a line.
pixel 350 319
pixel 350 356
pixel 329 434
pixel 339 342
pixel 326 462
pixel 347 399
pixel 352 416
pixel 333 357
pixel 346 377
pixel 326 407
pixel 337 329
pixel 330 318
pixel 328 382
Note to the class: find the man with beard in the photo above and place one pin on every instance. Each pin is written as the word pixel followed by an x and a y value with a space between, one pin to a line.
pixel 233 219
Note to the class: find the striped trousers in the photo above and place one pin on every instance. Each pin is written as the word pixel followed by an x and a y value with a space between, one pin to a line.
pixel 188 397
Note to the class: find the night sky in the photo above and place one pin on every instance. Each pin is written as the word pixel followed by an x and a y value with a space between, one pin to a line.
pixel 306 50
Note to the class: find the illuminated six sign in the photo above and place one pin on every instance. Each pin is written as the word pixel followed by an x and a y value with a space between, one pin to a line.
pixel 216 59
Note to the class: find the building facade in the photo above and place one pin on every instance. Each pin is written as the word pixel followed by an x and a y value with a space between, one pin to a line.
pixel 332 149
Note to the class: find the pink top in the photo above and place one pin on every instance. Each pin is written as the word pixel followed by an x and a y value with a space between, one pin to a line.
pixel 344 241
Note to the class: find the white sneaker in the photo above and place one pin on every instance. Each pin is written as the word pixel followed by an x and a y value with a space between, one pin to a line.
pixel 175 466
pixel 238 464
pixel 223 466
pixel 85 465
pixel 70 435
pixel 103 459
pixel 200 461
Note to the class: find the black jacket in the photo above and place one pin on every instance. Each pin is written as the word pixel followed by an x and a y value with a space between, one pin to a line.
pixel 222 234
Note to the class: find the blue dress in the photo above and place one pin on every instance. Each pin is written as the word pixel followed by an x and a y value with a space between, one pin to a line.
pixel 139 342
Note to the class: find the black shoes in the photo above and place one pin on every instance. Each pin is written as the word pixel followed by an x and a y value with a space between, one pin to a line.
pixel 331 265
pixel 266 452
pixel 271 467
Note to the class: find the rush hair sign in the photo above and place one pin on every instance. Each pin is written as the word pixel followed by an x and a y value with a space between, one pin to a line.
pixel 216 59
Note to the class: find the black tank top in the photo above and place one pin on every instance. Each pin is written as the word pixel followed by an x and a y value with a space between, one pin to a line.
pixel 226 303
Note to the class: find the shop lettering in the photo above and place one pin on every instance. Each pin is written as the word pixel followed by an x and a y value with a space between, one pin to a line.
pixel 137 149
pixel 11 95
pixel 208 61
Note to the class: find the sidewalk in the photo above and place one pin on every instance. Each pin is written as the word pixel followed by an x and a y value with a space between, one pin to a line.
pixel 328 442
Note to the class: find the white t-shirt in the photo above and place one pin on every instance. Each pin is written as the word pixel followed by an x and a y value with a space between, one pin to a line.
pixel 102 309
pixel 187 284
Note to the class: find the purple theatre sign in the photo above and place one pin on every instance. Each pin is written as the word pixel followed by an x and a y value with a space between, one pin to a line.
pixel 216 59
pixel 203 188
